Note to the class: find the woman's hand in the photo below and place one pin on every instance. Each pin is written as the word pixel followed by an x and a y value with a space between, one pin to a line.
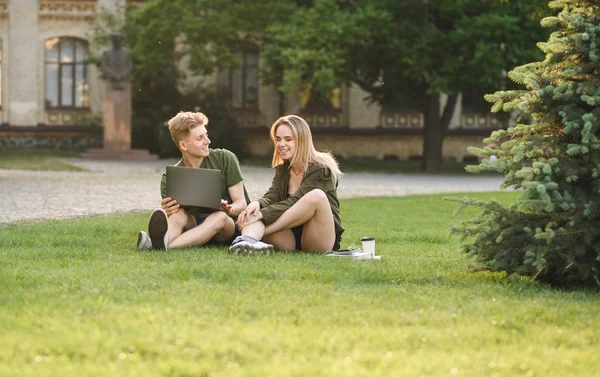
pixel 252 209
pixel 249 219
pixel 250 215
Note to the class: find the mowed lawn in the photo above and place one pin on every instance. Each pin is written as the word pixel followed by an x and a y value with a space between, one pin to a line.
pixel 32 159
pixel 77 299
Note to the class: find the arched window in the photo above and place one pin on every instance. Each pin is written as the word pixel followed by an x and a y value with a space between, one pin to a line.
pixel 67 73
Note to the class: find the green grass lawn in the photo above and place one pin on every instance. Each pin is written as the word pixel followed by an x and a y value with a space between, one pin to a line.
pixel 77 299
pixel 29 159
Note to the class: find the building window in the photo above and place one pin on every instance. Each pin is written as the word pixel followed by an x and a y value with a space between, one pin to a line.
pixel 67 73
pixel 310 99
pixel 242 82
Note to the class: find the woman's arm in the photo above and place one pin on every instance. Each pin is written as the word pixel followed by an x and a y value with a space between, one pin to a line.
pixel 273 194
pixel 319 178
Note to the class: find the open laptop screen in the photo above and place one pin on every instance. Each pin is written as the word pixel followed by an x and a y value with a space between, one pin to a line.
pixel 194 187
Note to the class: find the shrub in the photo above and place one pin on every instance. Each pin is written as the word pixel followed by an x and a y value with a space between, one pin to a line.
pixel 552 232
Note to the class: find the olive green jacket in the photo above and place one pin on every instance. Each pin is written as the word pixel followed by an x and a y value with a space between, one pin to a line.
pixel 277 200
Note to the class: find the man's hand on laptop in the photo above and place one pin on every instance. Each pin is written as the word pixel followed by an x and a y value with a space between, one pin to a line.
pixel 226 206
pixel 169 205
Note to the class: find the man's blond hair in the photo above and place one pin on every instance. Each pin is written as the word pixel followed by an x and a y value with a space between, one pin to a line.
pixel 185 121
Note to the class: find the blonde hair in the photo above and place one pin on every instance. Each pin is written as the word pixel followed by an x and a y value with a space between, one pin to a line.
pixel 305 150
pixel 184 122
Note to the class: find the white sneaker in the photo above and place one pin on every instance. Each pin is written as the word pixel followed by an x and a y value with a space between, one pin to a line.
pixel 157 229
pixel 249 245
pixel 143 241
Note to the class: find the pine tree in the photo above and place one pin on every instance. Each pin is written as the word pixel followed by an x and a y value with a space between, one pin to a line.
pixel 552 232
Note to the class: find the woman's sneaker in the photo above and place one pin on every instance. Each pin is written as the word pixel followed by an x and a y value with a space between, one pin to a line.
pixel 157 229
pixel 249 245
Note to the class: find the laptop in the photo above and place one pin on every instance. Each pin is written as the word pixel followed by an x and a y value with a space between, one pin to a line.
pixel 195 187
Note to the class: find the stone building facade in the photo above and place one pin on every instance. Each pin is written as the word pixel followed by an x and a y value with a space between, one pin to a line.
pixel 51 97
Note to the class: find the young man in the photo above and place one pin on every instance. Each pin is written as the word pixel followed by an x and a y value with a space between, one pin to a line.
pixel 173 226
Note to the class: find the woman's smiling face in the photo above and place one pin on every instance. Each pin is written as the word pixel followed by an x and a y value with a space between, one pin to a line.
pixel 285 142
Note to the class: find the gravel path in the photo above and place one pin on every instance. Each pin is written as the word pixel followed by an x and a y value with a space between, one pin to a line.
pixel 126 186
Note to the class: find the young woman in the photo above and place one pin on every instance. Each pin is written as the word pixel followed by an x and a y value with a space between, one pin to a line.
pixel 301 210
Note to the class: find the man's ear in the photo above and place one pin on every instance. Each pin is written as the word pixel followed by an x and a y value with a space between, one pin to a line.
pixel 182 145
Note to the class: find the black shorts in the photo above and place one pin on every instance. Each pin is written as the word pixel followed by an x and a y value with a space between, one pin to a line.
pixel 298 237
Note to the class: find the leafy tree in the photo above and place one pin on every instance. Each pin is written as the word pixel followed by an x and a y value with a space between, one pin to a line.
pixel 175 44
pixel 553 231
pixel 222 126
pixel 432 47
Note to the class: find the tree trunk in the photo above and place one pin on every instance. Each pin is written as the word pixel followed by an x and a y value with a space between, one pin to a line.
pixel 432 136
pixel 435 127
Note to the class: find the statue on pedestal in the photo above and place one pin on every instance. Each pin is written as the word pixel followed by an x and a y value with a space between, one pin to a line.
pixel 115 66
pixel 116 63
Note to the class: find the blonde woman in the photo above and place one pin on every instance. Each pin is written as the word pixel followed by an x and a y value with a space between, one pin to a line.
pixel 301 210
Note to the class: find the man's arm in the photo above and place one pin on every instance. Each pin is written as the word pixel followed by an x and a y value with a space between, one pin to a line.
pixel 238 203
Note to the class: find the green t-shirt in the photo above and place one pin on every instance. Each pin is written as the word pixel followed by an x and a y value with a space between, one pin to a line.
pixel 220 159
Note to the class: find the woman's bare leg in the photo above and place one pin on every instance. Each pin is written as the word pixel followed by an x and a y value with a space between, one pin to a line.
pixel 250 240
pixel 282 240
pixel 312 210
pixel 255 230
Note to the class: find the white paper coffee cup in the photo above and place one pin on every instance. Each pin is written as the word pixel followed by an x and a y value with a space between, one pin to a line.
pixel 368 245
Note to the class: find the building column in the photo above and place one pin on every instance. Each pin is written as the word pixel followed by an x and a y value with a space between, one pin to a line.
pixel 24 57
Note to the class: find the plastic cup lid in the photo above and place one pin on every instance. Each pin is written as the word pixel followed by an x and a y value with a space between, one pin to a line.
pixel 370 238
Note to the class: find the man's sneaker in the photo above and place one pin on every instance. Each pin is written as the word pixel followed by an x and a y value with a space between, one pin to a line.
pixel 157 229
pixel 143 242
pixel 249 245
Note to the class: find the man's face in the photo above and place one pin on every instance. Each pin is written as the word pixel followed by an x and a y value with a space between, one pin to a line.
pixel 196 143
